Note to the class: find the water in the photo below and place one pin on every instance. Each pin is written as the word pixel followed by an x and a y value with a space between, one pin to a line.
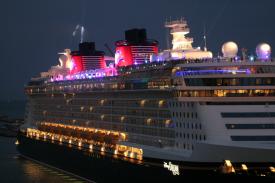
pixel 13 109
pixel 15 169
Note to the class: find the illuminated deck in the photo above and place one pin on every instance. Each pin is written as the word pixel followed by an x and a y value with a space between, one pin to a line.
pixel 86 144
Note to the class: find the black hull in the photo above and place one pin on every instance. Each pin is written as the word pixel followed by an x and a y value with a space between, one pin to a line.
pixel 99 168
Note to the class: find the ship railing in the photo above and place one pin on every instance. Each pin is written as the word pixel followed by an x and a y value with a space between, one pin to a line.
pixel 175 23
pixel 181 29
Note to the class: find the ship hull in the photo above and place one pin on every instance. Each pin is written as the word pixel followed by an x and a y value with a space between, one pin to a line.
pixel 98 167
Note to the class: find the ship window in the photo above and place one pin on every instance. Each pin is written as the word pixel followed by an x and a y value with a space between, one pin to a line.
pixel 253 138
pixel 250 126
pixel 247 114
pixel 229 81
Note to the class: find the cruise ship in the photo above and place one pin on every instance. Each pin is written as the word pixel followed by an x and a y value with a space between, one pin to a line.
pixel 146 114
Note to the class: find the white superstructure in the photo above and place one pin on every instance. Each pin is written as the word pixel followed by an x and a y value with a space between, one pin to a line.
pixel 182 46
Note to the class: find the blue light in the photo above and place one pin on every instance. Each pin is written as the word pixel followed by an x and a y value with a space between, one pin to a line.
pixel 237 58
pixel 251 58
pixel 205 72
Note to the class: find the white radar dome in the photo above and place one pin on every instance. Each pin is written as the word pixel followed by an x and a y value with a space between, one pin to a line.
pixel 263 51
pixel 229 49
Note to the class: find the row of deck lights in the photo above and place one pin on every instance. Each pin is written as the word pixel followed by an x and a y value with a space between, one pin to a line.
pixel 123 135
pixel 37 134
pixel 229 168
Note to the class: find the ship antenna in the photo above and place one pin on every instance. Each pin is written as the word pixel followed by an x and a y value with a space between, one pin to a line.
pixel 167 35
pixel 204 38
pixel 82 30
pixel 82 34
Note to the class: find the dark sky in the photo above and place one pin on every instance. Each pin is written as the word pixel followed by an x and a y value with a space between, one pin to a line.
pixel 33 31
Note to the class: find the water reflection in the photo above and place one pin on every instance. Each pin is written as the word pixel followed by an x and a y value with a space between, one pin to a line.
pixel 39 173
pixel 14 169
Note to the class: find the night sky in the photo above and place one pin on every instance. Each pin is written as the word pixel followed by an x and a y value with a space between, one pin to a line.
pixel 34 31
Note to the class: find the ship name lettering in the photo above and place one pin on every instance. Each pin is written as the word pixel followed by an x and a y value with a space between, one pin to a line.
pixel 171 167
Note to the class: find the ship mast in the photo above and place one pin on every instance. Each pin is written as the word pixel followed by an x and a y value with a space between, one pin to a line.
pixel 82 31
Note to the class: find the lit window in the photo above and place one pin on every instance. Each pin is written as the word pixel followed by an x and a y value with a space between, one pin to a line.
pixel 142 103
pixel 149 120
pixel 161 103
